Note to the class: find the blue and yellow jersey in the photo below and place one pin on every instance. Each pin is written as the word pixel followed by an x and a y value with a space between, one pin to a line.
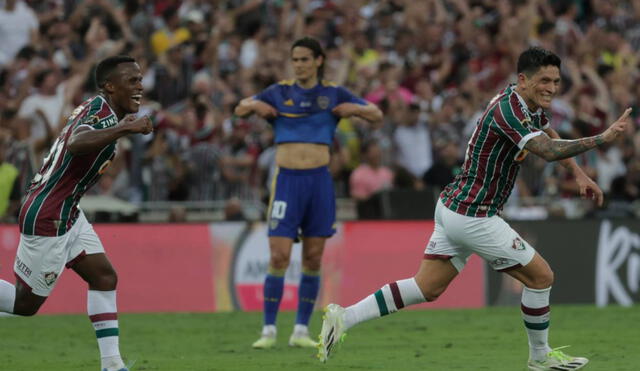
pixel 304 115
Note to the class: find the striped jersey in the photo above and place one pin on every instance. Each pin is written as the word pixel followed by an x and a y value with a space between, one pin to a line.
pixel 493 156
pixel 50 207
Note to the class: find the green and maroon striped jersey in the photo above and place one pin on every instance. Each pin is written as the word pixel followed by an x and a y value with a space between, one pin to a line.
pixel 493 156
pixel 50 207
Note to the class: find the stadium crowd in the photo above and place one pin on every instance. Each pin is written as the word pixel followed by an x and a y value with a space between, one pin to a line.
pixel 431 66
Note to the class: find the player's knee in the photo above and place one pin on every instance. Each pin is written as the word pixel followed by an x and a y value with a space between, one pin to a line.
pixel 104 281
pixel 542 280
pixel 279 261
pixel 312 263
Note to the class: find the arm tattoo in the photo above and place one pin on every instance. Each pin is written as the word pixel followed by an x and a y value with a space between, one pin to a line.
pixel 558 149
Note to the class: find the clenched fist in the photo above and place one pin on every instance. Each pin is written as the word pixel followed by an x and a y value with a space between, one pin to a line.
pixel 135 125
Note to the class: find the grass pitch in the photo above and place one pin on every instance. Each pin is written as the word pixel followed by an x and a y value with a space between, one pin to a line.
pixel 438 340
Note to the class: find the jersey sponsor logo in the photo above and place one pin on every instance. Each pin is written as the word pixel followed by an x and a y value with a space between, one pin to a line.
pixel 22 267
pixel 305 104
pixel 50 278
pixel 288 102
pixel 108 122
pixel 323 102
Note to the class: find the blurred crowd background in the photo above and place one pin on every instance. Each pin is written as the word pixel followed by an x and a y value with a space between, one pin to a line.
pixel 430 65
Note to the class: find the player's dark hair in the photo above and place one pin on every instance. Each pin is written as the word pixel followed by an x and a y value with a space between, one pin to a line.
pixel 533 58
pixel 316 48
pixel 107 66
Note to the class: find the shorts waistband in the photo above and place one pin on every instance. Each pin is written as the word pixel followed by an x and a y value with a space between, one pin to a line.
pixel 315 170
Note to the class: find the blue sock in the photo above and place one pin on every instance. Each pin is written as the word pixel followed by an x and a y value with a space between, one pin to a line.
pixel 273 287
pixel 307 294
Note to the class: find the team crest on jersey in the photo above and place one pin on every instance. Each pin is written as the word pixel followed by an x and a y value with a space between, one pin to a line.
pixel 50 278
pixel 273 223
pixel 91 120
pixel 323 102
pixel 518 244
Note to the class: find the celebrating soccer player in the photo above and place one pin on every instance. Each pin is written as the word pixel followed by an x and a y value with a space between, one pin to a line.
pixel 467 220
pixel 54 232
pixel 304 113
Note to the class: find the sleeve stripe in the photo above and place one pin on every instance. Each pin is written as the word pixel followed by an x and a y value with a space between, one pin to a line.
pixel 527 137
pixel 514 104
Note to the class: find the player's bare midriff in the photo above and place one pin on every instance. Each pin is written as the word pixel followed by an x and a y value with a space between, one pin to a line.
pixel 302 155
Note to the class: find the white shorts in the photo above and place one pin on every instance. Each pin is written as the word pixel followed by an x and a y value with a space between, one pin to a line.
pixel 457 236
pixel 40 260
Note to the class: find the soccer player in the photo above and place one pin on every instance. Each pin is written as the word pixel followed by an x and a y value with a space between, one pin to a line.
pixel 304 113
pixel 466 215
pixel 54 232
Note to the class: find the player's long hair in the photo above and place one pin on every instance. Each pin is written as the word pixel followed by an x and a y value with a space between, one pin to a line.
pixel 316 48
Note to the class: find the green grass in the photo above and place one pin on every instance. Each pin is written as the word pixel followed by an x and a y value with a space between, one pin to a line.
pixel 487 339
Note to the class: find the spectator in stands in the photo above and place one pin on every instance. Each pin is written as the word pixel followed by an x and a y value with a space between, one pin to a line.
pixel 446 166
pixel 18 28
pixel 412 142
pixel 209 48
pixel 9 182
pixel 369 179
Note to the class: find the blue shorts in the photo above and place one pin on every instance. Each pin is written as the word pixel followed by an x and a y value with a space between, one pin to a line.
pixel 302 201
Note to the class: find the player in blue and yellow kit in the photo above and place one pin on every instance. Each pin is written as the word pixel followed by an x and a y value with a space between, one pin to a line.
pixel 304 113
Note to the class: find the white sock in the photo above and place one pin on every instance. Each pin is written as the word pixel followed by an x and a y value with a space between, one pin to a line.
pixel 536 314
pixel 101 306
pixel 300 330
pixel 7 296
pixel 269 330
pixel 389 299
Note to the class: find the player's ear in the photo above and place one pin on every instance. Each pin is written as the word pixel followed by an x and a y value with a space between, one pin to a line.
pixel 108 87
pixel 522 79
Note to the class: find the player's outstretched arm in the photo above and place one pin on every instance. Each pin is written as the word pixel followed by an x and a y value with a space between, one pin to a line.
pixel 587 187
pixel 558 149
pixel 250 105
pixel 85 140
pixel 369 112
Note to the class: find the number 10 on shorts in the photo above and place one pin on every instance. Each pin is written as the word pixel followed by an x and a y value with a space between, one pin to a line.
pixel 278 209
